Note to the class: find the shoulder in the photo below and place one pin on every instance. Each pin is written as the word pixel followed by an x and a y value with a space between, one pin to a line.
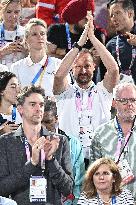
pixel 126 196
pixel 19 63
pixel 56 28
pixel 101 89
pixel 7 138
pixel 3 68
pixel 111 42
pixel 105 127
pixel 54 60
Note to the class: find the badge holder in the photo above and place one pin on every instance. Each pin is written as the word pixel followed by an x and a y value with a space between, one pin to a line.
pixel 38 184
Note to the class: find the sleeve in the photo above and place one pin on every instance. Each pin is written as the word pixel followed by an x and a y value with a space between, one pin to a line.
pixel 14 69
pixel 95 149
pixel 61 174
pixel 11 182
pixel 78 169
pixel 127 197
pixel 83 201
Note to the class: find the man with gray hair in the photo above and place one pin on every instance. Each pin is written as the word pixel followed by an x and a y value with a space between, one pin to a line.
pixel 116 139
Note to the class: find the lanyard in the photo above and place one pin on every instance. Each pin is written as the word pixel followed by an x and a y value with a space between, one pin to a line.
pixel 28 155
pixel 40 73
pixel 113 200
pixel 79 103
pixel 14 113
pixel 118 59
pixel 68 36
pixel 119 152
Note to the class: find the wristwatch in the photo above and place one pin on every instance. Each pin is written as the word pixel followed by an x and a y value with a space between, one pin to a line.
pixel 75 45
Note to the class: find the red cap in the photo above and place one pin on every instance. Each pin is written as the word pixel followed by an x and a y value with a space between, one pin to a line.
pixel 76 10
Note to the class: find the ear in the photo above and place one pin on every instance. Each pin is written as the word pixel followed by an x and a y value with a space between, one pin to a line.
pixel 114 103
pixel 56 119
pixel 1 93
pixel 130 13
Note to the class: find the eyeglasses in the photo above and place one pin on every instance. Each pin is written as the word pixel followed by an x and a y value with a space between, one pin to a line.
pixel 125 101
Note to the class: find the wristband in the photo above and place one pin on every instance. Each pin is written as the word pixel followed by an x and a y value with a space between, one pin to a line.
pixel 75 45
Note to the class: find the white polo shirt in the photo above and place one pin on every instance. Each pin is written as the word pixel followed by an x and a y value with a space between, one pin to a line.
pixel 79 117
pixel 26 70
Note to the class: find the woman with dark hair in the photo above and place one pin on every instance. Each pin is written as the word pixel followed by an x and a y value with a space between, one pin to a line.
pixel 9 88
pixel 102 185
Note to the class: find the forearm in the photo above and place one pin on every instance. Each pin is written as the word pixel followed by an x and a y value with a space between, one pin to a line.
pixel 60 79
pixel 66 63
pixel 106 57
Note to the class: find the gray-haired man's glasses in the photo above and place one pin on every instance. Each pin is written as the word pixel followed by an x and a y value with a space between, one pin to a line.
pixel 125 101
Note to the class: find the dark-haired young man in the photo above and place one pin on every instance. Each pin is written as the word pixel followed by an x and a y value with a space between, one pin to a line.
pixel 123 45
pixel 35 168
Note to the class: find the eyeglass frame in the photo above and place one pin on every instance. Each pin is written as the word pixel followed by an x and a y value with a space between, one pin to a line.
pixel 125 101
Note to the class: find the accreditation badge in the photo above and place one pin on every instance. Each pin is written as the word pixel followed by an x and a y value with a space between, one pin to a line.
pixel 125 171
pixel 38 185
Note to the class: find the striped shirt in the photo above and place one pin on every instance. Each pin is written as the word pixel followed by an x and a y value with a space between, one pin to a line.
pixel 104 144
pixel 125 198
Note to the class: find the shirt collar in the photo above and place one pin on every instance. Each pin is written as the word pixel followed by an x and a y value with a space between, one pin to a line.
pixel 19 132
pixel 79 88
pixel 30 62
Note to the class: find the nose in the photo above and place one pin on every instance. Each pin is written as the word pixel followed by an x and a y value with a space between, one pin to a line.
pixel 129 103
pixel 18 89
pixel 15 15
pixel 83 70
pixel 101 176
pixel 37 107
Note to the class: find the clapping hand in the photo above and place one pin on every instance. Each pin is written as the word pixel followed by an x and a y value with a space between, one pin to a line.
pixel 50 146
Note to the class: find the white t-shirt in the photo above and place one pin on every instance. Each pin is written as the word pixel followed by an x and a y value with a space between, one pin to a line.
pixel 10 36
pixel 9 117
pixel 26 70
pixel 79 117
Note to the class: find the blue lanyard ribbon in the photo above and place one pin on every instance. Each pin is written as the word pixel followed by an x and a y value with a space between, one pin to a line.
pixel 14 113
pixel 68 36
pixel 2 32
pixel 38 74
